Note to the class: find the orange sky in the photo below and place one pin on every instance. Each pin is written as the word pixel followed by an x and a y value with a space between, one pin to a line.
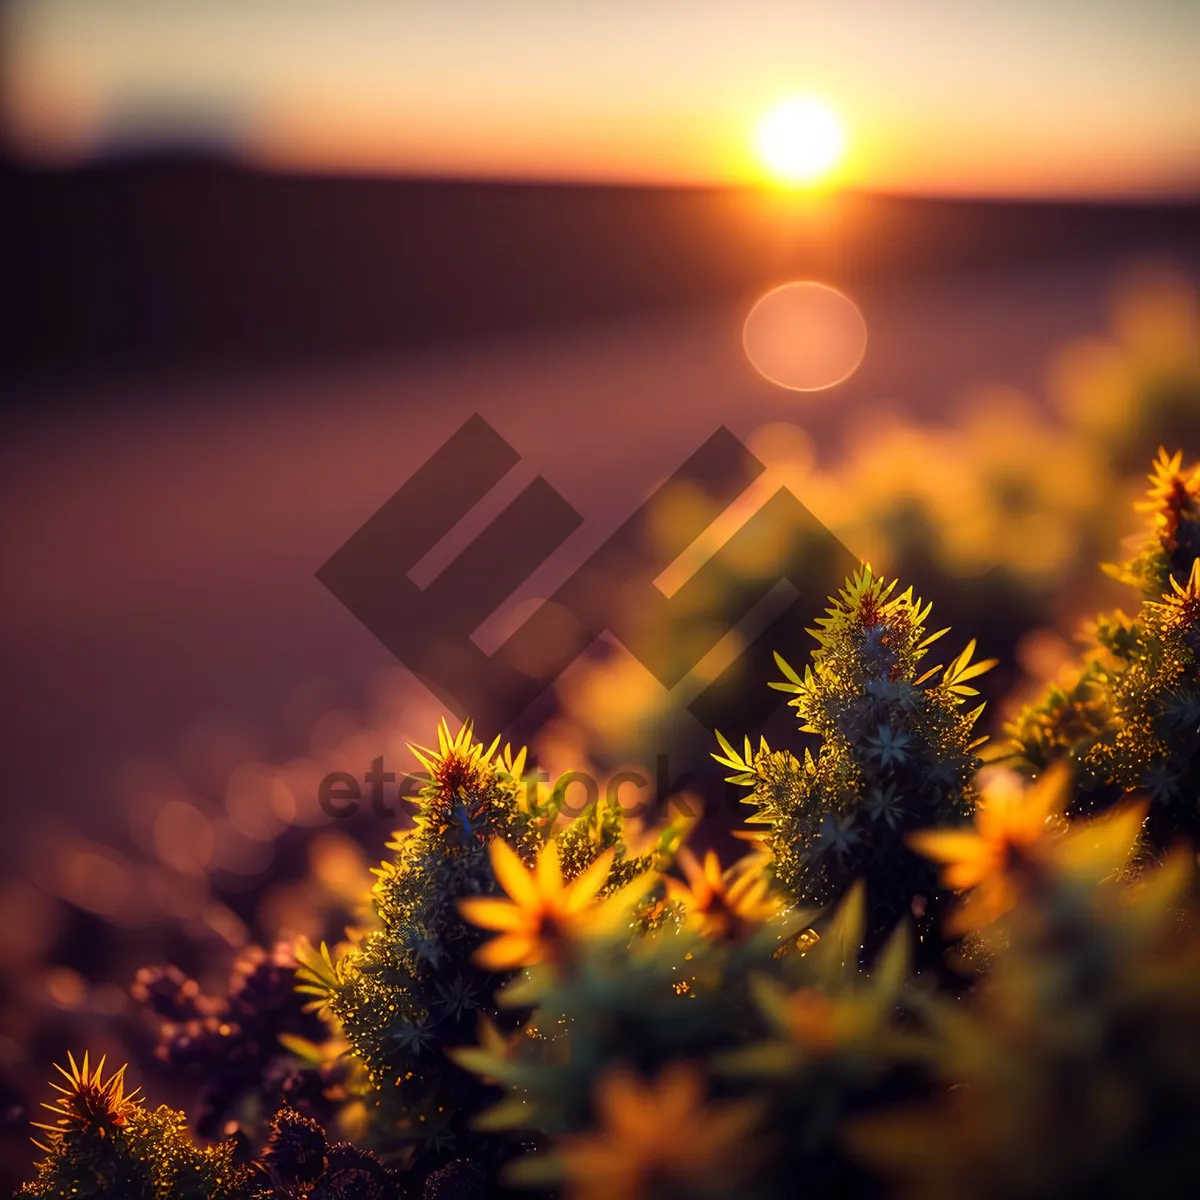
pixel 1030 97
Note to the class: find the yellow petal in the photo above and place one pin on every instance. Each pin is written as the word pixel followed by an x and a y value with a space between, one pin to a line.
pixel 584 889
pixel 507 952
pixel 959 875
pixel 491 912
pixel 1022 815
pixel 753 902
pixel 1160 890
pixel 948 845
pixel 1053 790
pixel 983 906
pixel 691 868
pixel 512 875
pixel 613 911
pixel 1099 846
pixel 626 1107
pixel 599 1170
pixel 679 1094
pixel 549 871
pixel 712 869
pixel 747 888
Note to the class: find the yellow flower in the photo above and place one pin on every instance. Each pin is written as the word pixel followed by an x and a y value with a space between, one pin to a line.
pixel 722 905
pixel 1012 825
pixel 89 1101
pixel 542 915
pixel 811 1019
pixel 811 1024
pixel 652 1134
pixel 1020 834
pixel 1181 605
pixel 1174 492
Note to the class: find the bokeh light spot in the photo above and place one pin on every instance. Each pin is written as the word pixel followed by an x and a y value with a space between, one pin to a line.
pixel 96 880
pixel 258 801
pixel 66 988
pixel 805 336
pixel 184 837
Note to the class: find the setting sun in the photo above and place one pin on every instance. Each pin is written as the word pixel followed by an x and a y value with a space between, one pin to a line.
pixel 799 141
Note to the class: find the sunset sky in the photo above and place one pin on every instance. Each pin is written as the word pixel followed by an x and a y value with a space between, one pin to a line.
pixel 1029 97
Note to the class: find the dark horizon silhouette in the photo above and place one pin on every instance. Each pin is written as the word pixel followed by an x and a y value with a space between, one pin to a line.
pixel 179 262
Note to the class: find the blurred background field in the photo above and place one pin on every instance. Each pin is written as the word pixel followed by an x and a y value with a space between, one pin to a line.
pixel 224 348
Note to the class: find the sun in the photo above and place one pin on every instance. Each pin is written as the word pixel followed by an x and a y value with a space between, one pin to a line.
pixel 799 141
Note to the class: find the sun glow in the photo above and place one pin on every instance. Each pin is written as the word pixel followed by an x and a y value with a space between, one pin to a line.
pixel 799 141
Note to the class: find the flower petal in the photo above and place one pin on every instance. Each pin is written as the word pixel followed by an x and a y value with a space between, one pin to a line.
pixel 512 874
pixel 691 868
pixel 712 870
pixel 549 874
pixel 948 845
pixel 582 891
pixel 491 912
pixel 960 875
pixel 507 952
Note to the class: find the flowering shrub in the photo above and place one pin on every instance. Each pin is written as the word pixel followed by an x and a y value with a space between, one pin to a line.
pixel 419 983
pixel 1129 714
pixel 896 753
pixel 925 979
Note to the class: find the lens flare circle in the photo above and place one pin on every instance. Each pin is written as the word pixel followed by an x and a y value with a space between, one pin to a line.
pixel 805 336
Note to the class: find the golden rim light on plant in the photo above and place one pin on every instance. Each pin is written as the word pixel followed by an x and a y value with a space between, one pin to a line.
pixel 89 1101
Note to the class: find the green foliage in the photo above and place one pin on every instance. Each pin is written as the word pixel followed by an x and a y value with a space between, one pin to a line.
pixel 409 989
pixel 1071 1068
pixel 1075 1069
pixel 781 1028
pixel 1129 717
pixel 105 1143
pixel 896 753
